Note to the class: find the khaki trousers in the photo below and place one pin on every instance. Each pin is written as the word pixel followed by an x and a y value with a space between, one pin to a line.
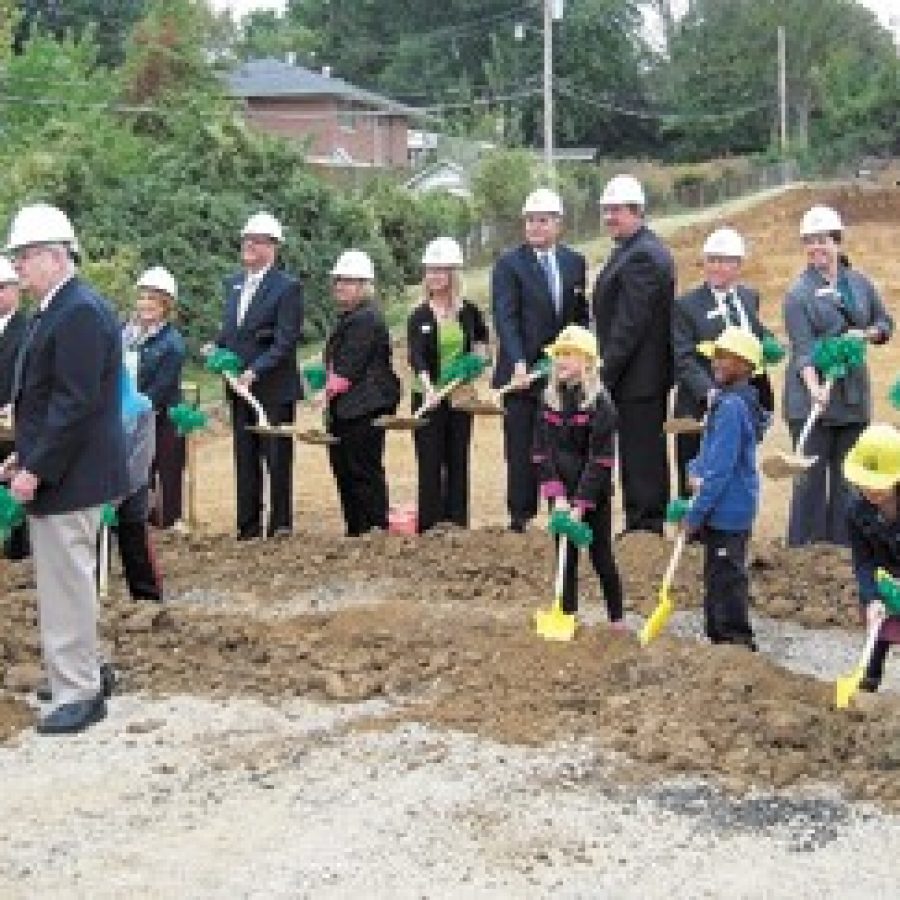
pixel 65 559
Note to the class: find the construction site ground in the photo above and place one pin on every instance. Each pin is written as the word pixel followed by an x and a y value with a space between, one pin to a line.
pixel 320 716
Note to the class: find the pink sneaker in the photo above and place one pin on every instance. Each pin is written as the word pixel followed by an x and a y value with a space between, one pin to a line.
pixel 618 625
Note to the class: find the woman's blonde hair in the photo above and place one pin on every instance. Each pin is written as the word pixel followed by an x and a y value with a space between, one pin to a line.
pixel 591 385
pixel 456 291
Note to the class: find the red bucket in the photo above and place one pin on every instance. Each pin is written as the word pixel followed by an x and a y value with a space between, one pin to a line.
pixel 403 519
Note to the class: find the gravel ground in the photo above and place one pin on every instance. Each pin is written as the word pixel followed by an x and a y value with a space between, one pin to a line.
pixel 185 797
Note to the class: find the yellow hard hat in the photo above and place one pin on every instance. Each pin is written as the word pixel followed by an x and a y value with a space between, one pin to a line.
pixel 741 343
pixel 574 339
pixel 874 460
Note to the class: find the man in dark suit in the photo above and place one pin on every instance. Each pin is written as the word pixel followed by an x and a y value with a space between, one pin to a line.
pixel 700 316
pixel 537 289
pixel 263 323
pixel 70 453
pixel 12 331
pixel 633 298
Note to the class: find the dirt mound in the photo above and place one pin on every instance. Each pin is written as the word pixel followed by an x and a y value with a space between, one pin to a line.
pixel 442 626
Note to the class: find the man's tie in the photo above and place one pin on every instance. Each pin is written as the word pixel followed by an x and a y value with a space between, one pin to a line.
pixel 251 283
pixel 550 275
pixel 21 356
pixel 732 312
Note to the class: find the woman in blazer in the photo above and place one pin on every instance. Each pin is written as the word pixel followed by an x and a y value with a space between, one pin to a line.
pixel 360 386
pixel 154 354
pixel 828 299
pixel 440 328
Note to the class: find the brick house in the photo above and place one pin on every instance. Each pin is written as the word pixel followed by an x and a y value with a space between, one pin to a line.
pixel 344 125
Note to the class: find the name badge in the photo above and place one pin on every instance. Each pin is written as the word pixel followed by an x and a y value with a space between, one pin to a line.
pixel 825 292
pixel 426 328
pixel 714 314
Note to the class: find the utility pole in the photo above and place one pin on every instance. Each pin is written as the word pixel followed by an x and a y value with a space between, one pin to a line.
pixel 548 86
pixel 782 89
pixel 553 12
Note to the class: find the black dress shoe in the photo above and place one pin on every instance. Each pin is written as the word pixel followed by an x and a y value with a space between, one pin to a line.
pixel 70 718
pixel 107 684
pixel 518 525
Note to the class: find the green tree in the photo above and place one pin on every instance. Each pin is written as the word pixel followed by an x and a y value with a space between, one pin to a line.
pixel 107 21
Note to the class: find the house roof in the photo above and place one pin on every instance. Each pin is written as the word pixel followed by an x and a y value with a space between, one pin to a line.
pixel 275 78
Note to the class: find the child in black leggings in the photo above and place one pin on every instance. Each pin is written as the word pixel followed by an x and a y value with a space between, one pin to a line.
pixel 574 450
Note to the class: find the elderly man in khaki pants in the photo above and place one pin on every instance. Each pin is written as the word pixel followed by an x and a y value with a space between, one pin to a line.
pixel 70 453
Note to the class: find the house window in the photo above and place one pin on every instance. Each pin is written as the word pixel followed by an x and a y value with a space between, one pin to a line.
pixel 347 120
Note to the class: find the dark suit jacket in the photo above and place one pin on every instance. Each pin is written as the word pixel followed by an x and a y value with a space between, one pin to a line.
pixel 161 358
pixel 359 349
pixel 10 341
pixel 68 411
pixel 696 319
pixel 633 298
pixel 266 341
pixel 422 336
pixel 525 319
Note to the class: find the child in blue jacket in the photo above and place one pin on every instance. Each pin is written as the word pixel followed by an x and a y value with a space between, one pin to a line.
pixel 725 480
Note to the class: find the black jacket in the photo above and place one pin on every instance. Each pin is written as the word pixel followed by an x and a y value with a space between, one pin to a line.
pixel 68 412
pixel 574 448
pixel 874 542
pixel 359 349
pixel 160 360
pixel 10 341
pixel 633 298
pixel 422 336
pixel 696 318
pixel 525 320
pixel 266 341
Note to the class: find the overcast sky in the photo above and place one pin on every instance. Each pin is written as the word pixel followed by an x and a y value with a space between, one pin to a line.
pixel 885 9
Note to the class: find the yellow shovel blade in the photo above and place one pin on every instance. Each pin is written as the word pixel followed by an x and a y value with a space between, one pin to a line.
pixel 554 624
pixel 657 621
pixel 846 686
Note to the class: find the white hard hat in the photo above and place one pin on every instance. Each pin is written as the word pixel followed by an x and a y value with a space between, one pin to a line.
pixel 40 224
pixel 443 252
pixel 725 242
pixel 623 190
pixel 543 200
pixel 820 220
pixel 265 224
pixel 159 279
pixel 354 264
pixel 8 274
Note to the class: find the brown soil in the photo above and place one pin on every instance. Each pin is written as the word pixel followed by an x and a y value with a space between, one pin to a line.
pixel 442 623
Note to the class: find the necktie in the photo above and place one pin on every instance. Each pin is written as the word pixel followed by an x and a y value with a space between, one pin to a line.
pixel 19 365
pixel 732 312
pixel 549 273
pixel 251 282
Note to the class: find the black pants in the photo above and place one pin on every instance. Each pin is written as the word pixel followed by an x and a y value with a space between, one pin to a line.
pixel 819 500
pixel 602 559
pixel 357 462
pixel 643 462
pixel 167 473
pixel 136 548
pixel 442 461
pixel 250 451
pixel 726 600
pixel 875 671
pixel 521 409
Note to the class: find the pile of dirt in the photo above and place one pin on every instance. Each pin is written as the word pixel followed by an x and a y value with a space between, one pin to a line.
pixel 443 629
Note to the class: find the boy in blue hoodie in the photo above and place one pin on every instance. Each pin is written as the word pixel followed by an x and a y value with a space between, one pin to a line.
pixel 725 480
